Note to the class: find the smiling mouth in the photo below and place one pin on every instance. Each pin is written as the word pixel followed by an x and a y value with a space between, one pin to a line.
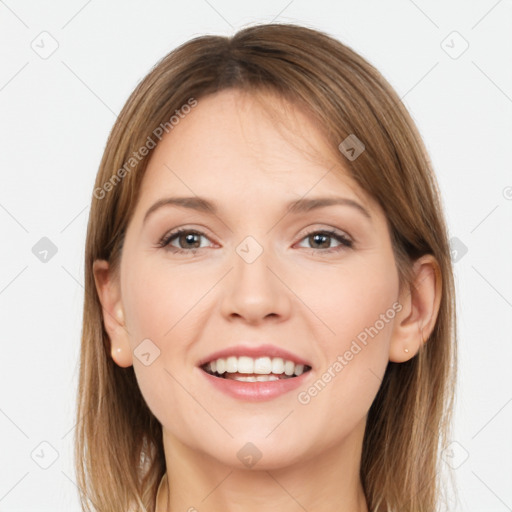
pixel 260 369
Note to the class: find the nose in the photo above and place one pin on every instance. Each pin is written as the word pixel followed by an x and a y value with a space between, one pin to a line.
pixel 254 291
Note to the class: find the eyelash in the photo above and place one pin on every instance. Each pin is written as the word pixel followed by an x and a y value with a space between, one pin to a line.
pixel 345 242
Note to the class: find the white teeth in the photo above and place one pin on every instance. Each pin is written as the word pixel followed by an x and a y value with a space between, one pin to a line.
pixel 299 369
pixel 221 366
pixel 277 366
pixel 258 378
pixel 265 378
pixel 232 364
pixel 245 364
pixel 261 366
pixel 289 368
pixel 246 379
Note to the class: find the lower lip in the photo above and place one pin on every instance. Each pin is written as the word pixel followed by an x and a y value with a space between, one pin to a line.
pixel 256 391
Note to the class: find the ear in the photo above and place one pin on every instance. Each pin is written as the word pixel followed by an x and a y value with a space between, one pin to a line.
pixel 420 307
pixel 109 294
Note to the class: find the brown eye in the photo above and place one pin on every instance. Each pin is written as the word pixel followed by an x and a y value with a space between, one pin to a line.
pixel 323 240
pixel 187 240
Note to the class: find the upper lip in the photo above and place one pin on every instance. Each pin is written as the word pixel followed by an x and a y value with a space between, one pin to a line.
pixel 254 352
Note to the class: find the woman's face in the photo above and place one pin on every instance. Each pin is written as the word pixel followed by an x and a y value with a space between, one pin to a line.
pixel 319 283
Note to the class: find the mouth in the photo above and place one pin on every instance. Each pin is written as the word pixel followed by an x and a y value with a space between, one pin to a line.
pixel 257 369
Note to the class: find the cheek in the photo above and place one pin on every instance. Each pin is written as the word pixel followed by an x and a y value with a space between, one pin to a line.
pixel 156 301
pixel 157 297
pixel 364 309
pixel 352 300
pixel 161 304
pixel 359 306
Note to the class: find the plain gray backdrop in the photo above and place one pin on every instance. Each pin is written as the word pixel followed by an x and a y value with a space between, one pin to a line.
pixel 67 68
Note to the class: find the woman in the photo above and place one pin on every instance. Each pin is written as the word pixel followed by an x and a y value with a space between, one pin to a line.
pixel 269 320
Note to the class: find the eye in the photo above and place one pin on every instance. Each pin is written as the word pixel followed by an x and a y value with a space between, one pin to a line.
pixel 188 240
pixel 322 240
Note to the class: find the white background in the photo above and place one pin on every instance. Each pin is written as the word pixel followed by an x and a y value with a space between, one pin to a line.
pixel 56 114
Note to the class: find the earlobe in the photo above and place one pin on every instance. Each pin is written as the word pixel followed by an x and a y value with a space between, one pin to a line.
pixel 421 300
pixel 122 356
pixel 108 289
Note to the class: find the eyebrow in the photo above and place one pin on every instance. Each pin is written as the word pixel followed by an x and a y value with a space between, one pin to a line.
pixel 295 207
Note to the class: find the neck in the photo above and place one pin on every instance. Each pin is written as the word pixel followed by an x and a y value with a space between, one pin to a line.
pixel 329 480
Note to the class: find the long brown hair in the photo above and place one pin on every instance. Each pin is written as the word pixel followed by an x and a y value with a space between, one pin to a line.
pixel 119 451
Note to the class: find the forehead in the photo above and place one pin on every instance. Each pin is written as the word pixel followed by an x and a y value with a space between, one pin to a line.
pixel 248 145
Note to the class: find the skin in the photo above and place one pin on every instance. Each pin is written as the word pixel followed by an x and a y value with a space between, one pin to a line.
pixel 251 160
